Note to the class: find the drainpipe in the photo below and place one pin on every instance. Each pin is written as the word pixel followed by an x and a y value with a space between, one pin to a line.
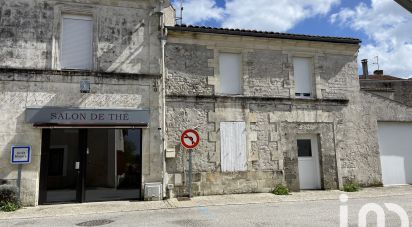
pixel 163 35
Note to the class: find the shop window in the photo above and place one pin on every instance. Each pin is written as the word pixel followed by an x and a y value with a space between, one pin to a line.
pixel 76 42
pixel 233 146
pixel 303 70
pixel 230 73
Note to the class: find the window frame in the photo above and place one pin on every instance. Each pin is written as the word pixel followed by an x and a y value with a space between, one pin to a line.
pixel 61 10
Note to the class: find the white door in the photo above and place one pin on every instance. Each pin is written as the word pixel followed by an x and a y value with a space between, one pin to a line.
pixel 308 161
pixel 395 147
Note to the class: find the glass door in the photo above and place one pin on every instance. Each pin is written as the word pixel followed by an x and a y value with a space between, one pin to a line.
pixel 60 165
pixel 79 165
pixel 113 166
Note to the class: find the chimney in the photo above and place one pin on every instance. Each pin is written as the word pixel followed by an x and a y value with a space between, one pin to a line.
pixel 378 72
pixel 365 68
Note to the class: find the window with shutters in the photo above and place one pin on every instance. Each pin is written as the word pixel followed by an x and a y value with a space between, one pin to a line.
pixel 302 71
pixel 233 146
pixel 230 73
pixel 76 42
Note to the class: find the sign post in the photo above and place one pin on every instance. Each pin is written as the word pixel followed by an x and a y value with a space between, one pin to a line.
pixel 190 139
pixel 20 155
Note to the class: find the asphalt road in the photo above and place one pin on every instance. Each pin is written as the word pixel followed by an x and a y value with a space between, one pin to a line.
pixel 306 213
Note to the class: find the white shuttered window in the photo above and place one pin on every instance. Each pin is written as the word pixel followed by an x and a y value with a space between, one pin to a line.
pixel 233 146
pixel 230 73
pixel 302 68
pixel 76 42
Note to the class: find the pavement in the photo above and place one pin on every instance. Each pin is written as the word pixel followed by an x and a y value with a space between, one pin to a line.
pixel 106 208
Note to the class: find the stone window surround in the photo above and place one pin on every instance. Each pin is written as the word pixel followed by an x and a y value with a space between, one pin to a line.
pixel 317 86
pixel 238 115
pixel 214 63
pixel 328 159
pixel 74 9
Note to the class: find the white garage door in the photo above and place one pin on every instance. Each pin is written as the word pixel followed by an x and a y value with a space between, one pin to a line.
pixel 395 146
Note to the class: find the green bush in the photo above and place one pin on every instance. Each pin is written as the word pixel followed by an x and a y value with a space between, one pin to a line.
pixel 351 186
pixel 281 190
pixel 8 198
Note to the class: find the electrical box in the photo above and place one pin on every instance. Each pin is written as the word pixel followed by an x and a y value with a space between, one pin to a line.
pixel 153 191
pixel 170 153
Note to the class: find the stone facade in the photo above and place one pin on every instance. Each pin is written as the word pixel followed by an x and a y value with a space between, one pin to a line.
pixel 126 73
pixel 398 90
pixel 339 114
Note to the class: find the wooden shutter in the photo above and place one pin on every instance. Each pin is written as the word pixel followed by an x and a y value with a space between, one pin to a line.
pixel 233 146
pixel 76 50
pixel 230 73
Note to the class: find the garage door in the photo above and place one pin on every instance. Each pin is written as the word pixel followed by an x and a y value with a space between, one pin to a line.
pixel 395 146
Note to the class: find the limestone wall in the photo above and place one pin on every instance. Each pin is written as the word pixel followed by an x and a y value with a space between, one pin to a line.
pixel 20 89
pixel 125 39
pixel 273 117
pixel 398 90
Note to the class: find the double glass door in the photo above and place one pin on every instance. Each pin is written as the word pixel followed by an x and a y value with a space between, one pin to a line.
pixel 85 165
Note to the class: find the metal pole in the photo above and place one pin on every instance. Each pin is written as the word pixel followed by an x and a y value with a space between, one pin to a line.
pixel 190 173
pixel 19 180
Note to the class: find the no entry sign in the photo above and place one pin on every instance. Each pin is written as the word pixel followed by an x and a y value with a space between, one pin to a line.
pixel 190 138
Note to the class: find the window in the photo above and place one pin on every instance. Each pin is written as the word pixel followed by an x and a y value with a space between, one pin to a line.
pixel 302 68
pixel 76 42
pixel 304 148
pixel 230 73
pixel 233 146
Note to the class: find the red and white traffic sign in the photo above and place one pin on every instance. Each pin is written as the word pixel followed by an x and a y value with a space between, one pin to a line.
pixel 190 138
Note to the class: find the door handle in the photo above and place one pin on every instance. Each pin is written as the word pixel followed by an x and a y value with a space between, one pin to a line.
pixel 77 165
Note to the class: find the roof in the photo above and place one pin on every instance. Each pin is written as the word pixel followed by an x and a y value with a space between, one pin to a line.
pixel 381 77
pixel 265 34
pixel 407 4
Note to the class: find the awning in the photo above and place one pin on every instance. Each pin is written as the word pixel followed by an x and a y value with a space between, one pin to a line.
pixel 50 117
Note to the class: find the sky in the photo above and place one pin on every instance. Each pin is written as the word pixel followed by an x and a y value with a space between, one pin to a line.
pixel 384 27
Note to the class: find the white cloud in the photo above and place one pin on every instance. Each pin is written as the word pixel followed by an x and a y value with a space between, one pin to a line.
pixel 196 11
pixel 267 15
pixel 389 26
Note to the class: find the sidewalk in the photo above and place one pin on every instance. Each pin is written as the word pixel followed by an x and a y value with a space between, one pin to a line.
pixel 220 200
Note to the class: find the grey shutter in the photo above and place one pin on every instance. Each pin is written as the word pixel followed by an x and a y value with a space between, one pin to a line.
pixel 230 72
pixel 233 146
pixel 76 51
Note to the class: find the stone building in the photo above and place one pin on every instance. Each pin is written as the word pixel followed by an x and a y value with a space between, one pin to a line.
pixel 100 91
pixel 274 108
pixel 80 83
pixel 394 88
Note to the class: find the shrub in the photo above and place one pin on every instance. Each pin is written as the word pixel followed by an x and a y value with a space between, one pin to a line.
pixel 8 198
pixel 281 190
pixel 351 186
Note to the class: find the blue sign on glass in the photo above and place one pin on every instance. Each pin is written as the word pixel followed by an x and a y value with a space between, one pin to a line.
pixel 20 155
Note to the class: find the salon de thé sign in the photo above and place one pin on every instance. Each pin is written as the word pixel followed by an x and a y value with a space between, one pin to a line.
pixel 86 116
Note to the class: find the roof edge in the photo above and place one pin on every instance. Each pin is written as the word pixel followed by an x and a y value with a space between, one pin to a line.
pixel 263 34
